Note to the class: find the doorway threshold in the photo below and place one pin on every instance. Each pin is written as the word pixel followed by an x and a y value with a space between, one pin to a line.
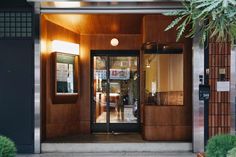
pixel 116 147
pixel 112 142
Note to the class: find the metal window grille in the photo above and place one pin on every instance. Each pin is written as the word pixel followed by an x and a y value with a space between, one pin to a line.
pixel 15 24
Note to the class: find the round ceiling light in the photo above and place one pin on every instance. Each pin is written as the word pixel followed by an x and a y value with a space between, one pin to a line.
pixel 114 42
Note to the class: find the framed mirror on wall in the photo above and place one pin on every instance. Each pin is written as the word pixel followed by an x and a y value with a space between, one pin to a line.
pixel 65 77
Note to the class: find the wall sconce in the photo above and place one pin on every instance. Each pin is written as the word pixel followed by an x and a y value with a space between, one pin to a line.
pixel 114 42
pixel 65 47
pixel 148 64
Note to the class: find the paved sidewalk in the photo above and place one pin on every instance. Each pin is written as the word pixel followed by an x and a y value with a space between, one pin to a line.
pixel 152 154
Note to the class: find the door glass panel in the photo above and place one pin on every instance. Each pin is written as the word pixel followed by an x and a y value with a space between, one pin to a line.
pixel 100 89
pixel 123 88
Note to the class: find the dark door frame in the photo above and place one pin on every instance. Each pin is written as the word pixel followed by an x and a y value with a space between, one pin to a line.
pixel 113 127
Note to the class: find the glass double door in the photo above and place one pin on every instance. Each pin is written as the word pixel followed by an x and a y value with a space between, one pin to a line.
pixel 115 93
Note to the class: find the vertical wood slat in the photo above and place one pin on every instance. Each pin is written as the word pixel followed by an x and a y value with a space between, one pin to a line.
pixel 219 104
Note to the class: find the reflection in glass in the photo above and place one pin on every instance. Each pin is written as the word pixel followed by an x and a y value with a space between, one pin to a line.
pixel 122 103
pixel 164 79
pixel 65 73
pixel 123 90
pixel 100 90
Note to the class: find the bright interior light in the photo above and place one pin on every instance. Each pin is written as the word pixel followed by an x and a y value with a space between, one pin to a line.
pixel 65 47
pixel 148 64
pixel 114 42
pixel 67 4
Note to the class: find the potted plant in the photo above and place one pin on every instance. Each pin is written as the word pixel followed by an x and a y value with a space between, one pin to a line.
pixel 7 147
pixel 218 146
pixel 232 152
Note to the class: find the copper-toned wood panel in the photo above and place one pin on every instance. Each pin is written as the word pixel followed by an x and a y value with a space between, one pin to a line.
pixel 165 119
pixel 85 127
pixel 99 23
pixel 57 130
pixel 154 26
pixel 168 133
pixel 126 42
pixel 85 80
pixel 59 119
pixel 165 115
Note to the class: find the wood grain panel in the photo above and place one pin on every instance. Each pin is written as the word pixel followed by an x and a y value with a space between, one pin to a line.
pixel 167 133
pixel 154 26
pixel 163 115
pixel 99 23
pixel 85 127
pixel 62 129
pixel 168 122
pixel 58 119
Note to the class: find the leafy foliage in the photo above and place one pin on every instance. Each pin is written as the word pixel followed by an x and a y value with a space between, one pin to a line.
pixel 216 19
pixel 219 145
pixel 7 147
pixel 232 152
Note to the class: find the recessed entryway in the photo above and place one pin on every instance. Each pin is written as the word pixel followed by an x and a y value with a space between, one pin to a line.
pixel 116 87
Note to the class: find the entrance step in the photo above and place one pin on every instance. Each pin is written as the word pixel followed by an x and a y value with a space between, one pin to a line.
pixel 116 147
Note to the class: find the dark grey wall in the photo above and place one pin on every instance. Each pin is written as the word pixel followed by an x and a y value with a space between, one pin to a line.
pixel 14 3
pixel 17 83
pixel 17 92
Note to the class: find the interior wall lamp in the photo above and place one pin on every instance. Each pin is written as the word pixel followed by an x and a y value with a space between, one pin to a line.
pixel 148 64
pixel 65 47
pixel 114 42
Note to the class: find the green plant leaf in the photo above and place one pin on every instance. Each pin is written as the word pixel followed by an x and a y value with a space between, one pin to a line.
pixel 181 29
pixel 173 23
pixel 173 13
pixel 208 9
pixel 233 2
pixel 225 3
pixel 204 4
pixel 216 19
pixel 7 147
pixel 218 146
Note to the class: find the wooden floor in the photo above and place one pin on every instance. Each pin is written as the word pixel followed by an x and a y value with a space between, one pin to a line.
pixel 100 138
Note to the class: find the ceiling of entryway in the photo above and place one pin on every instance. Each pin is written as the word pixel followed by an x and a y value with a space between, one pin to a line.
pixel 99 23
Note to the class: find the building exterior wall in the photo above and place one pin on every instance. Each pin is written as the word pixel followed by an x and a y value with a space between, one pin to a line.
pixel 219 103
pixel 17 74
